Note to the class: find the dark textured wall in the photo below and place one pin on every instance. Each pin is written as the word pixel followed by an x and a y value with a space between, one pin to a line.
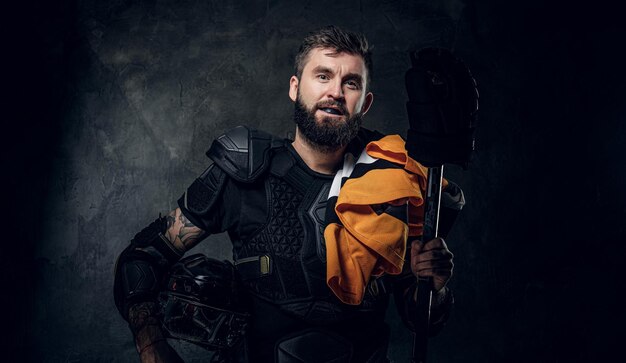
pixel 114 104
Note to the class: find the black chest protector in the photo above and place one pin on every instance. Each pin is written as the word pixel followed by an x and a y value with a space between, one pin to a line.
pixel 283 259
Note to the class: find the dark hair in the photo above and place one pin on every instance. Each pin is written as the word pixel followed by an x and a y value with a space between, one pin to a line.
pixel 340 40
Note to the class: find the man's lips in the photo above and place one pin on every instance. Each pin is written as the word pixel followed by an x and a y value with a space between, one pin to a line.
pixel 332 111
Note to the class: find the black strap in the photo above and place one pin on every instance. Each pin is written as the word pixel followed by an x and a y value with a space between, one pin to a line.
pixel 254 267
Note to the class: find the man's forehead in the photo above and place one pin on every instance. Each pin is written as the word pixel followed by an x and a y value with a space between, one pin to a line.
pixel 330 57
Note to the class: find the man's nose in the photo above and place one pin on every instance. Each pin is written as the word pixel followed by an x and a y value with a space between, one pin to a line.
pixel 335 90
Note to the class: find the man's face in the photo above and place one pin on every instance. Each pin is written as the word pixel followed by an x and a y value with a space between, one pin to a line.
pixel 330 97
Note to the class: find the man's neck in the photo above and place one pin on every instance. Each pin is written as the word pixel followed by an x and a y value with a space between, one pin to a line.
pixel 321 161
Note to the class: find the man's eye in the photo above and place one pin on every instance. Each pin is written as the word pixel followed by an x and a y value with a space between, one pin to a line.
pixel 322 77
pixel 353 85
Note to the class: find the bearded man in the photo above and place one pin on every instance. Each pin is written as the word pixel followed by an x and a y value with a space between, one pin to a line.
pixel 315 291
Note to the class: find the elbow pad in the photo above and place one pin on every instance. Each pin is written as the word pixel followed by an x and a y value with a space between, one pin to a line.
pixel 140 268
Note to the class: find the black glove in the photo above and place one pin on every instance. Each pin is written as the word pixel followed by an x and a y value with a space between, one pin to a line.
pixel 442 108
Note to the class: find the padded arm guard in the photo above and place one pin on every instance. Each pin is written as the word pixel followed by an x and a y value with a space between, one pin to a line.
pixel 141 266
pixel 202 195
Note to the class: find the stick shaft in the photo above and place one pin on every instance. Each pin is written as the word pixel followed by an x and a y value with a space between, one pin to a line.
pixel 425 284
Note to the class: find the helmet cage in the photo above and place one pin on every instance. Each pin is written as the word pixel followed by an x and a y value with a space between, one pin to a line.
pixel 202 303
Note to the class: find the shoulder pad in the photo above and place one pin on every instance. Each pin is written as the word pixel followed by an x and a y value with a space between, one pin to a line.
pixel 243 153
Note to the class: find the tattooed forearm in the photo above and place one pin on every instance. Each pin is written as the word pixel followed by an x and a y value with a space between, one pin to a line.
pixel 181 232
pixel 171 219
pixel 141 315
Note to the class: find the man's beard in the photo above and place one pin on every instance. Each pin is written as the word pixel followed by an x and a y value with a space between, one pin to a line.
pixel 330 134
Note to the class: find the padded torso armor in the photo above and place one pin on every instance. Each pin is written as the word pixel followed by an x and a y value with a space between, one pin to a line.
pixel 281 205
pixel 292 237
pixel 273 207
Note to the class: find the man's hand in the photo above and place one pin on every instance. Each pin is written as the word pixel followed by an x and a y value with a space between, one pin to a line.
pixel 434 259
pixel 149 339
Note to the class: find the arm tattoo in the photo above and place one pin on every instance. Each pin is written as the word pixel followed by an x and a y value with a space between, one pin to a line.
pixel 181 232
pixel 141 315
pixel 170 220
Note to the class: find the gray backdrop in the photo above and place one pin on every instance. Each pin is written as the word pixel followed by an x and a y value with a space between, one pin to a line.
pixel 119 100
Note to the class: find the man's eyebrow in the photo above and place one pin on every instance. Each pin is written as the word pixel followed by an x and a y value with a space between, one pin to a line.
pixel 322 69
pixel 354 77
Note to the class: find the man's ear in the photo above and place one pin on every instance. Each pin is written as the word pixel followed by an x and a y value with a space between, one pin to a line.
pixel 293 88
pixel 369 98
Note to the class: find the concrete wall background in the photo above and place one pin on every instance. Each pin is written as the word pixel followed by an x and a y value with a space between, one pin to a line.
pixel 117 102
